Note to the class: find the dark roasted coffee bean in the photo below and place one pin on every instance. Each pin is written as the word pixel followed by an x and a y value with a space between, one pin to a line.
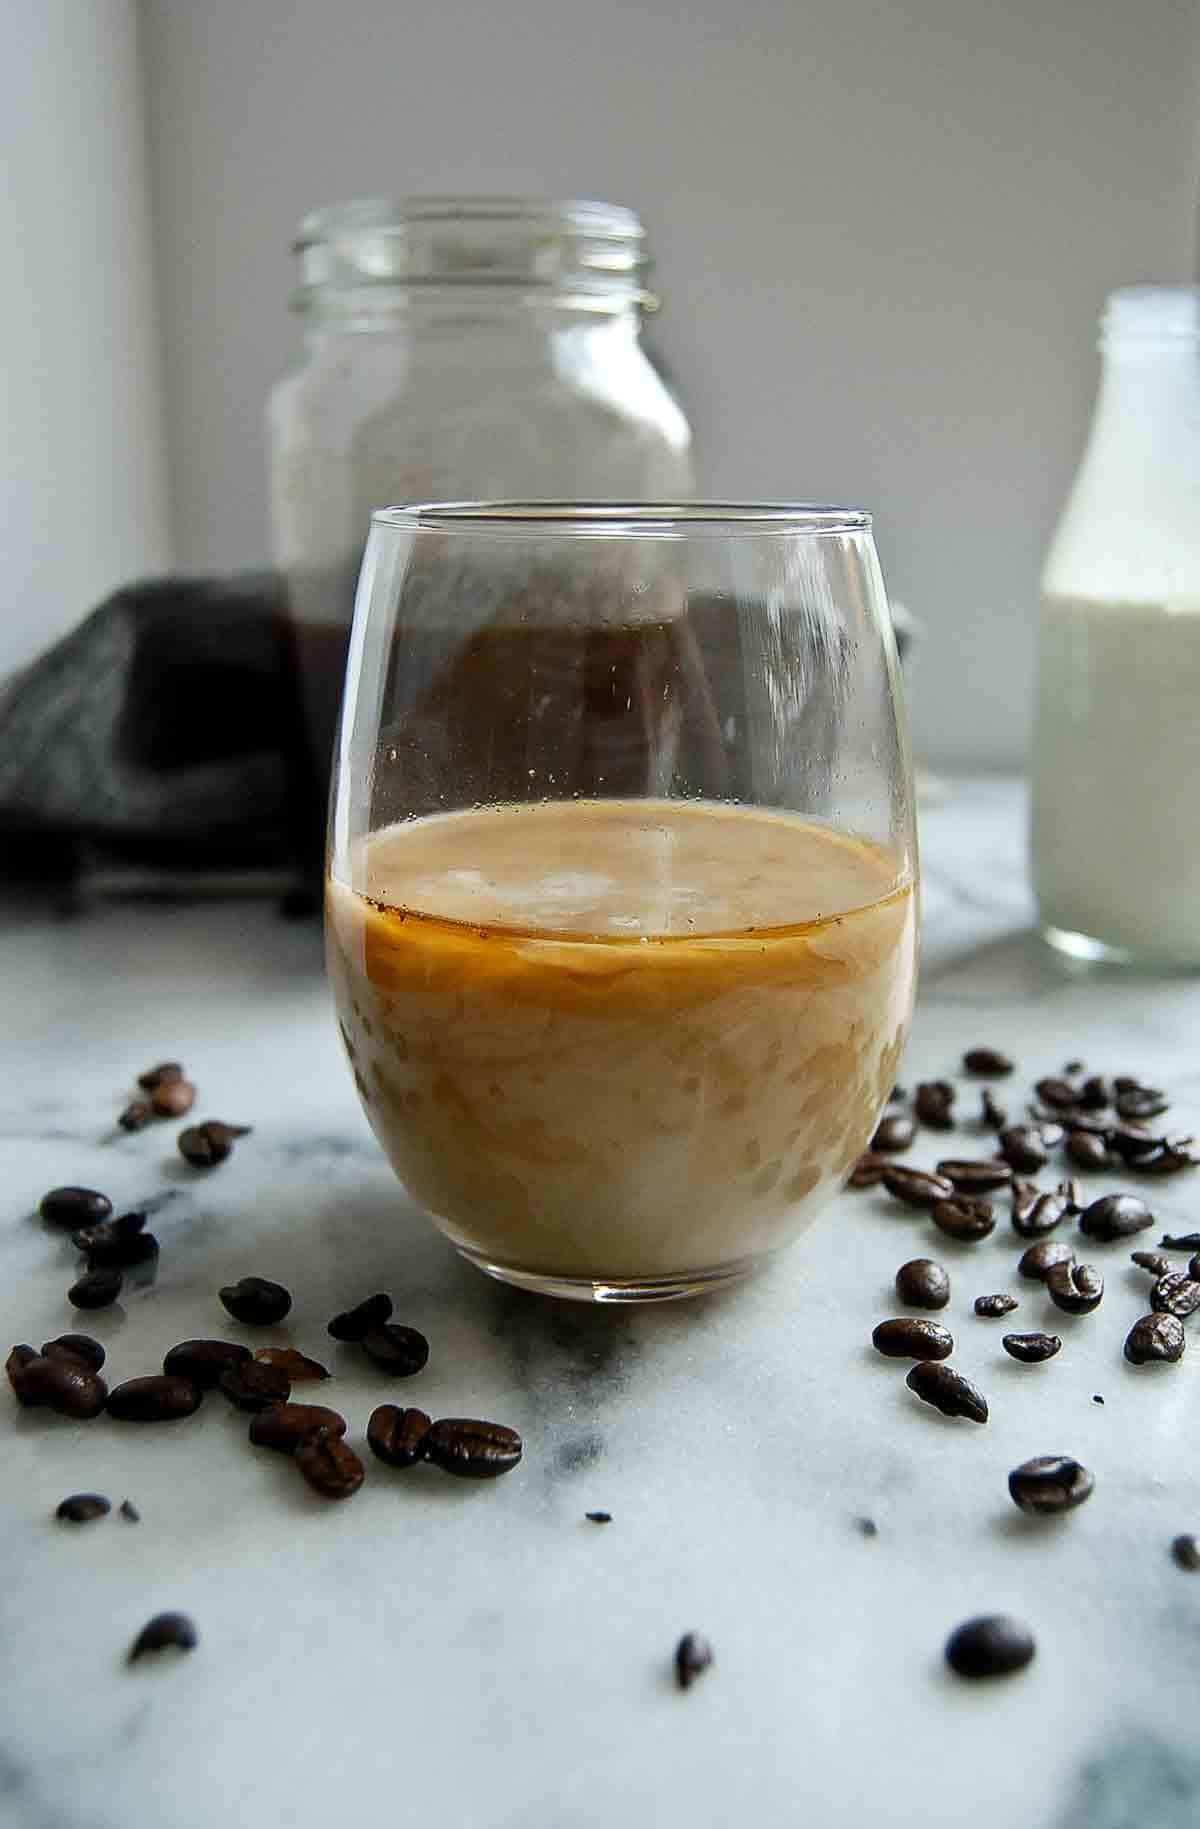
pixel 83 1507
pixel 284 1426
pixel 976 1177
pixel 403 1351
pixel 1186 1551
pixel 894 1133
pixel 990 1308
pixel 119 1251
pixel 1059 1095
pixel 298 1366
pixel 251 1386
pixel 96 1289
pixel 205 1145
pixel 1031 1349
pixel 173 1099
pixel 693 1655
pixel 934 1104
pixel 1115 1216
pixel 1180 1241
pixel 963 1218
pixel 1172 1159
pixel 1094 1094
pixel 1175 1294
pixel 947 1390
pixel 130 1512
pixel 398 1436
pixel 78 1346
pixel 1155 1337
pixel 203 1361
pixel 165 1632
pixel 1141 1102
pixel 120 1229
pixel 908 1337
pixel 923 1284
pixel 991 1646
pixel 1046 1212
pixel 598 1517
pixel 991 1115
pixel 988 1062
pixel 357 1323
pixel 74 1207
pixel 915 1187
pixel 1154 1262
pixel 1021 1147
pixel 867 1171
pixel 1050 1484
pixel 161 1398
pixel 1087 1151
pixel 1038 1261
pixel 329 1466
pixel 19 1357
pixel 1075 1288
pixel 136 1115
pixel 162 1075
pixel 255 1302
pixel 474 1450
pixel 1133 1144
pixel 58 1382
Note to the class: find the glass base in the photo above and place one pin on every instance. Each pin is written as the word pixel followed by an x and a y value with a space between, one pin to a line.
pixel 1090 950
pixel 616 1289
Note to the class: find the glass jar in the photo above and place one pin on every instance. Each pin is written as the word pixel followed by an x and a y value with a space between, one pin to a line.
pixel 456 348
pixel 1116 759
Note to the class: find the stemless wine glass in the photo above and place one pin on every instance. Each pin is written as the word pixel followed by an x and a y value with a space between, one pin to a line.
pixel 621 905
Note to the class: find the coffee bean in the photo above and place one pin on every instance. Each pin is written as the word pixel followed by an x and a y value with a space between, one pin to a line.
pixel 1154 1262
pixel 947 1390
pixel 1087 1151
pixel 1075 1288
pixel 357 1323
pixel 990 1308
pixel 474 1450
pixel 693 1655
pixel 161 1398
pixel 203 1361
pixel 118 1251
pixel 57 1382
pixel 991 1115
pixel 400 1350
pixel 598 1517
pixel 866 1173
pixel 1050 1484
pixel 1046 1212
pixel 1021 1147
pixel 895 1133
pixel 1037 1262
pixel 908 1337
pixel 284 1426
pixel 173 1098
pixel 1059 1095
pixel 83 1507
pixel 165 1632
pixel 976 1177
pixel 923 1284
pixel 1172 1159
pixel 162 1075
pixel 298 1366
pixel 77 1346
pixel 251 1386
pixel 130 1512
pixel 255 1302
pixel 329 1466
pixel 18 1358
pixel 1115 1216
pixel 963 1218
pixel 1133 1144
pixel 991 1646
pixel 205 1145
pixel 1186 1551
pixel 398 1436
pixel 1180 1241
pixel 109 1232
pixel 1155 1337
pixel 1137 1103
pixel 136 1115
pixel 1031 1349
pixel 1094 1094
pixel 74 1207
pixel 96 1289
pixel 915 1187
pixel 934 1103
pixel 989 1062
pixel 1175 1294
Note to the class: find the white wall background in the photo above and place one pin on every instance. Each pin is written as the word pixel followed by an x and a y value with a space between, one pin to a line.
pixel 82 488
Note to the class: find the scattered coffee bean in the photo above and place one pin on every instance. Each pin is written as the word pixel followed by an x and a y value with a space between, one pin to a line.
pixel 1075 1288
pixel 1155 1337
pixel 96 1289
pixel 136 1115
pixel 1153 1261
pixel 1186 1551
pixel 693 1655
pixel 1137 1103
pixel 1046 1212
pixel 252 1386
pixel 357 1323
pixel 598 1517
pixel 934 1104
pixel 1050 1484
pixel 976 1177
pixel 109 1232
pixel 1087 1151
pixel 1059 1095
pixel 866 1173
pixel 403 1351
pixel 1115 1216
pixel 165 1632
pixel 1021 1147
pixel 162 1075
pixel 173 1098
pixel 894 1133
pixel 991 1646
pixel 203 1361
pixel 83 1507
pixel 1031 1349
pixel 1180 1241
pixel 330 1467
pixel 991 1308
pixel 1134 1145
pixel 298 1366
pixel 963 1218
pixel 255 1302
pixel 205 1145
pixel 397 1436
pixel 923 1284
pixel 119 1251
pixel 474 1450
pixel 77 1346
pixel 1175 1294
pixel 56 1381
pixel 130 1512
pixel 988 1062
pixel 947 1390
pixel 915 1187
pixel 161 1398
pixel 1094 1094
pixel 991 1115
pixel 1041 1259
pixel 1172 1159
pixel 284 1426
pixel 74 1207
pixel 907 1337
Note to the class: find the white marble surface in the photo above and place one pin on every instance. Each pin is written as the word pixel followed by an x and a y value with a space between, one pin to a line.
pixel 456 1655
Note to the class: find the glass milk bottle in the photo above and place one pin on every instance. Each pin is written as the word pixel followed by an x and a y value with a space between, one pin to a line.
pixel 1116 756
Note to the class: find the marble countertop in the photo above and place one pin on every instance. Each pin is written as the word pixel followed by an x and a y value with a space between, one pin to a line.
pixel 463 1655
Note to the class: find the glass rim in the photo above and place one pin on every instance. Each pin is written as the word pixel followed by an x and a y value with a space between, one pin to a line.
pixel 615 519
